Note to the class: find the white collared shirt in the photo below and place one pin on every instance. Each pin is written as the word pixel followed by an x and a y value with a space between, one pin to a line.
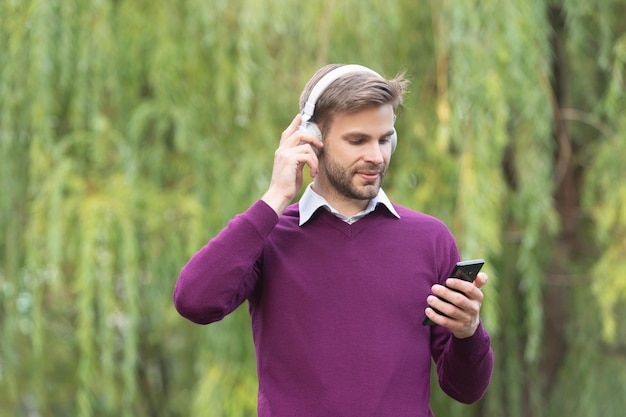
pixel 311 201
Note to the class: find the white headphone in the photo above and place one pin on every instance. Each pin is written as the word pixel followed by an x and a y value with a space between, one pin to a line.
pixel 320 87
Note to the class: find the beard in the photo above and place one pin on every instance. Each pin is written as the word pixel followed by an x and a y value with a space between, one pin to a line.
pixel 341 178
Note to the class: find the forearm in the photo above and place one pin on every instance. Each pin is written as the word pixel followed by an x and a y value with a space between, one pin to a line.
pixel 222 274
pixel 465 367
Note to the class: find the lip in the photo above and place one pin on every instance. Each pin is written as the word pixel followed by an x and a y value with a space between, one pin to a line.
pixel 369 175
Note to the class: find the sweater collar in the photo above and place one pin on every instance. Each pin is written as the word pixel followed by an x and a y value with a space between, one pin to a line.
pixel 311 201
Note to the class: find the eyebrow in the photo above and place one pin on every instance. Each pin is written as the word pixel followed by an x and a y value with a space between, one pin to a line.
pixel 361 136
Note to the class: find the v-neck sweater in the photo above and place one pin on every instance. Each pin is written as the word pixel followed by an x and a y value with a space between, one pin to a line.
pixel 336 310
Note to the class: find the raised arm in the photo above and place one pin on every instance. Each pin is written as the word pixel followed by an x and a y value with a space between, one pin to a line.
pixel 223 273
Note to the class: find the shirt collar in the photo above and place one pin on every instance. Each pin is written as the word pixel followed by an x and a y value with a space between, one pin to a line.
pixel 311 201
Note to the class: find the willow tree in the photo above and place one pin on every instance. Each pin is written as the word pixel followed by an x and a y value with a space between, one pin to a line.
pixel 130 132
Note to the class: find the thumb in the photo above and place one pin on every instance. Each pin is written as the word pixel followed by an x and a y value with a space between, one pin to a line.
pixel 481 279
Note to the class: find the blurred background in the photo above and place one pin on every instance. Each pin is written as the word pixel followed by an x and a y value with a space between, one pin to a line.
pixel 132 131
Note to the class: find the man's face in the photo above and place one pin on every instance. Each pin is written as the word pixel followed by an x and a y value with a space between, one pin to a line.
pixel 356 154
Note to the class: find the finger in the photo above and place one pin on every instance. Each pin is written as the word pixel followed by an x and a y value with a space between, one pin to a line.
pixel 304 155
pixel 466 287
pixel 459 285
pixel 460 293
pixel 312 161
pixel 293 136
pixel 292 128
pixel 450 296
pixel 435 317
pixel 440 305
pixel 313 170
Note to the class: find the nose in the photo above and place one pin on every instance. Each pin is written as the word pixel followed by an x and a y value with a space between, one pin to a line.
pixel 375 153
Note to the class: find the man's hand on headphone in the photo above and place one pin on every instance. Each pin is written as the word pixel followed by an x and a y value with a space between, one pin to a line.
pixel 295 151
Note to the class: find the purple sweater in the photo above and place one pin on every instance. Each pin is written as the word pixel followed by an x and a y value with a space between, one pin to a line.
pixel 336 311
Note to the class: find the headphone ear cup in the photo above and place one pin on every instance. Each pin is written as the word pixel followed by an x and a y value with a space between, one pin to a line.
pixel 311 128
pixel 394 140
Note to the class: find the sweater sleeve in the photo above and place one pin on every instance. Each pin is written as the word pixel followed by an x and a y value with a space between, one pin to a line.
pixel 223 273
pixel 464 366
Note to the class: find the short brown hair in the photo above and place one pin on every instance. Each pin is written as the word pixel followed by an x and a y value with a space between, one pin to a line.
pixel 352 92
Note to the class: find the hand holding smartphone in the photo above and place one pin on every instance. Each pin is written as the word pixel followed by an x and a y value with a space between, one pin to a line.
pixel 465 270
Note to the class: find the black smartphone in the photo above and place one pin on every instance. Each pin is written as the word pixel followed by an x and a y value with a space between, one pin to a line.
pixel 465 270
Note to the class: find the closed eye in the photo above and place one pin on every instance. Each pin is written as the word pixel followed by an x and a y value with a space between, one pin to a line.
pixel 386 138
pixel 357 138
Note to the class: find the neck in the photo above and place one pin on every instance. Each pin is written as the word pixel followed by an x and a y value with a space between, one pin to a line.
pixel 343 204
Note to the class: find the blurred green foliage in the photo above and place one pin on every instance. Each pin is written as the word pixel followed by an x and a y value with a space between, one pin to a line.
pixel 132 131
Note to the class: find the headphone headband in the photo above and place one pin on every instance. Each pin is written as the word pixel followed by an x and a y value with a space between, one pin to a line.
pixel 325 81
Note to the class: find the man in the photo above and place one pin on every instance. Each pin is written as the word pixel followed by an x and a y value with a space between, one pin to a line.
pixel 339 283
